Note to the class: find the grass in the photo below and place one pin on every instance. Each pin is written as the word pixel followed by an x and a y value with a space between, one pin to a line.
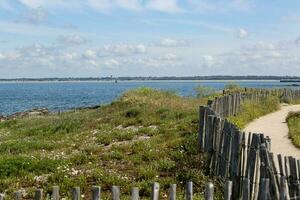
pixel 293 121
pixel 251 110
pixel 144 136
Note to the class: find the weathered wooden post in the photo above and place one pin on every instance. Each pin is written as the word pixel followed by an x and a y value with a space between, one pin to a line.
pixel 96 193
pixel 55 193
pixel 18 195
pixel 38 194
pixel 228 190
pixel 76 193
pixel 115 190
pixel 135 193
pixel 1 196
pixel 155 191
pixel 246 189
pixel 201 131
pixel 264 192
pixel 189 191
pixel 172 192
pixel 284 194
pixel 209 192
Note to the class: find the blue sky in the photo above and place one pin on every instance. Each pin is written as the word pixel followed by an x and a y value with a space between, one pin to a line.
pixel 82 38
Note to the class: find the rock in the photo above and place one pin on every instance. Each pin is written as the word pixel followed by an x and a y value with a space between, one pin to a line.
pixel 33 112
pixel 2 118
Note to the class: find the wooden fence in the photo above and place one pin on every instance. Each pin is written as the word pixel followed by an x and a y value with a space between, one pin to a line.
pixel 246 159
pixel 116 193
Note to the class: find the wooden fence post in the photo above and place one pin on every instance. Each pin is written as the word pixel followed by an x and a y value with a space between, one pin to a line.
pixel 264 192
pixel 172 192
pixel 201 131
pixel 209 192
pixel 96 193
pixel 228 190
pixel 246 189
pixel 38 194
pixel 135 193
pixel 18 195
pixel 115 190
pixel 189 191
pixel 284 193
pixel 55 193
pixel 76 193
pixel 155 191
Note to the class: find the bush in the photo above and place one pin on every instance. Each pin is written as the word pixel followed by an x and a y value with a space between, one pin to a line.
pixel 133 112
pixel 203 91
pixel 232 87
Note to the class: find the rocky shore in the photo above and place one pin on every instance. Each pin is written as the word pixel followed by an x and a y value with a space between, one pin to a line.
pixel 33 112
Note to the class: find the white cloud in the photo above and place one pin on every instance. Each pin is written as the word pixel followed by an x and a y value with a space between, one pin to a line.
pixel 169 56
pixel 36 15
pixel 220 6
pixel 108 5
pixel 242 33
pixel 90 54
pixel 111 63
pixel 72 40
pixel 293 18
pixel 69 56
pixel 167 42
pixel 60 4
pixel 101 5
pixel 122 49
pixel 261 46
pixel 168 6
pixel 1 56
pixel 129 4
pixel 5 4
pixel 208 60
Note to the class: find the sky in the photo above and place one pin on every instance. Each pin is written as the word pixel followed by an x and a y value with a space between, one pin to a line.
pixel 98 38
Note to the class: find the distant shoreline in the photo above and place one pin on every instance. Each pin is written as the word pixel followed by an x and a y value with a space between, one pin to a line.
pixel 152 79
pixel 135 81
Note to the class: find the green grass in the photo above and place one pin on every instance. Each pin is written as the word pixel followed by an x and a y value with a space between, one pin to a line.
pixel 251 110
pixel 293 121
pixel 144 136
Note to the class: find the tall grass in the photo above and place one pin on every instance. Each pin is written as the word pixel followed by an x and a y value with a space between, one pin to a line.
pixel 293 121
pixel 251 110
pixel 144 136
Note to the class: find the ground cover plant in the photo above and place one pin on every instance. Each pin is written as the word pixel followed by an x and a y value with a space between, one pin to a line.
pixel 293 121
pixel 144 136
pixel 251 110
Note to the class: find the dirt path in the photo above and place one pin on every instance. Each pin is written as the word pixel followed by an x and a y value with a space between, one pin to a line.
pixel 274 126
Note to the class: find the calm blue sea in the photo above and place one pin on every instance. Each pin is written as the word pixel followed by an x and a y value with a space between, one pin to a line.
pixel 61 96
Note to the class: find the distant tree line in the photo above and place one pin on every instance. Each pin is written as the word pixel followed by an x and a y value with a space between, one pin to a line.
pixel 154 78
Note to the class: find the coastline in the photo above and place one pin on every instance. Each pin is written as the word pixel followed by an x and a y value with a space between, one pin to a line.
pixel 144 81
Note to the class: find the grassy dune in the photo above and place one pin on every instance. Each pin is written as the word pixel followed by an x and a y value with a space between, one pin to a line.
pixel 144 136
pixel 293 121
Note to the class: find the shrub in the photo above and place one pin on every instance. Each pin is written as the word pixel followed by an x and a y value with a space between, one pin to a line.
pixel 203 91
pixel 132 112
pixel 232 87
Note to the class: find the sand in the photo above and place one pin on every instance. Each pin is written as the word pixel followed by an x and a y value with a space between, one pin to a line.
pixel 275 126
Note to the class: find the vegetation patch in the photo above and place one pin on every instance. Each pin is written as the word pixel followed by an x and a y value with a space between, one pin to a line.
pixel 251 110
pixel 144 136
pixel 293 121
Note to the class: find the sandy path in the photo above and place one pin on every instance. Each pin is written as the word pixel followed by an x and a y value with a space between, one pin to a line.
pixel 274 126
